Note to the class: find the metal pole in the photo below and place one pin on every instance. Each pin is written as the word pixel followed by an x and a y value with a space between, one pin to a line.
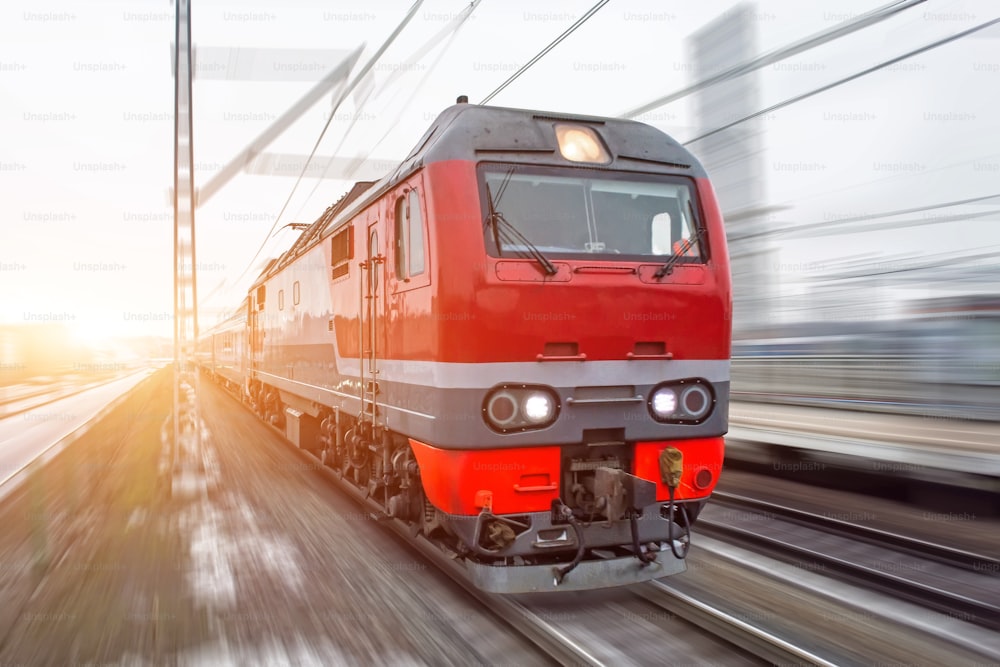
pixel 185 284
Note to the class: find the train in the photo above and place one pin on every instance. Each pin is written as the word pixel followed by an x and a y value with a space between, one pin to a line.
pixel 517 343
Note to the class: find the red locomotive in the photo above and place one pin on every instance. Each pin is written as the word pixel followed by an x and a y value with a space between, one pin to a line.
pixel 518 342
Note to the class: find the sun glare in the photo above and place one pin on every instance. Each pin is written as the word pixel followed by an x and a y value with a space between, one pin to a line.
pixel 95 334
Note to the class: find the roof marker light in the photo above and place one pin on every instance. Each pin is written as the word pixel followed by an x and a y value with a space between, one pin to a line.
pixel 579 143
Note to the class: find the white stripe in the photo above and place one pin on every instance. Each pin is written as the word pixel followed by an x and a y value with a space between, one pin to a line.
pixel 444 375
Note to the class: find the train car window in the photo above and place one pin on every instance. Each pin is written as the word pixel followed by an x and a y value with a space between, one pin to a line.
pixel 415 235
pixel 296 293
pixel 341 252
pixel 281 299
pixel 661 232
pixel 256 335
pixel 401 235
pixel 373 247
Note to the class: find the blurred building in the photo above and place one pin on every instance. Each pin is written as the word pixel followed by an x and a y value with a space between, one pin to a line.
pixel 735 161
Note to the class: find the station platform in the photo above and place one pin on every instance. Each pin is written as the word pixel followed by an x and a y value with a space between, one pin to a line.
pixel 930 448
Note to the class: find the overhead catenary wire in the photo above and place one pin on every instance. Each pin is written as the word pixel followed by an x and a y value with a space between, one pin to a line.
pixel 579 22
pixel 846 79
pixel 449 31
pixel 343 95
pixel 894 265
pixel 840 30
pixel 820 228
pixel 401 109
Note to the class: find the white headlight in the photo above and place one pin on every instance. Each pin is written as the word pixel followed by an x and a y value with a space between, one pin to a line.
pixel 664 402
pixel 513 408
pixel 538 407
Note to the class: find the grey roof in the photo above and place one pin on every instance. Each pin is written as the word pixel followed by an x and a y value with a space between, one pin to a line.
pixel 472 132
pixel 475 133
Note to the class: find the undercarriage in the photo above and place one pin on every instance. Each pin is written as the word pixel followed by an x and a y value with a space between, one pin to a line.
pixel 607 528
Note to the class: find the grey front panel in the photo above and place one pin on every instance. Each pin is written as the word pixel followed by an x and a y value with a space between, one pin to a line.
pixel 452 418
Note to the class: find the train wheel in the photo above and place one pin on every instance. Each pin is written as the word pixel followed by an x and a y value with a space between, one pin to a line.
pixel 430 517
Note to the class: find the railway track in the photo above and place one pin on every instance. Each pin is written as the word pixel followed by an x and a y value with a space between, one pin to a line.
pixel 12 407
pixel 942 553
pixel 567 640
pixel 720 623
pixel 539 632
pixel 560 645
pixel 547 636
pixel 47 433
pixel 958 583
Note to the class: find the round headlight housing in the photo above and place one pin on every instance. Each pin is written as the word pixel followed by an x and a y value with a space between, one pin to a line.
pixel 687 401
pixel 501 408
pixel 511 408
pixel 696 401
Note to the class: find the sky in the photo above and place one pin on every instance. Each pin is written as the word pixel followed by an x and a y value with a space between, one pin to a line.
pixel 86 111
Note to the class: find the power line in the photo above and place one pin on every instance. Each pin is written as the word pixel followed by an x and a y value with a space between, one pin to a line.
pixel 896 224
pixel 880 266
pixel 419 86
pixel 593 10
pixel 781 53
pixel 343 95
pixel 915 209
pixel 451 29
pixel 938 167
pixel 815 226
pixel 839 82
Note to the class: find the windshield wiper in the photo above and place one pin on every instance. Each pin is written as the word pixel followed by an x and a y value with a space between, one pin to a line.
pixel 492 216
pixel 689 243
pixel 502 228
pixel 513 236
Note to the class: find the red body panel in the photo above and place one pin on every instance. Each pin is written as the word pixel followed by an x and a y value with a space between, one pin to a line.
pixel 471 307
pixel 700 454
pixel 522 480
pixel 488 314
pixel 527 480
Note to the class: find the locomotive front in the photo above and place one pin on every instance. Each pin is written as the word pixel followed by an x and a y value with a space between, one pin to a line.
pixel 580 330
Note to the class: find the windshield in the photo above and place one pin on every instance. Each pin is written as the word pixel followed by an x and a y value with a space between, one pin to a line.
pixel 633 217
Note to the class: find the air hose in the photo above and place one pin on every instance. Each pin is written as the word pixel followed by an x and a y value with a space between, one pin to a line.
pixel 581 547
pixel 671 468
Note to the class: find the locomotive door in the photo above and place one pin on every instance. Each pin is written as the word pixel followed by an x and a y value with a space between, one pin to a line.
pixel 256 334
pixel 372 320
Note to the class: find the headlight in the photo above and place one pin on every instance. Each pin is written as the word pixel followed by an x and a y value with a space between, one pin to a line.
pixel 538 407
pixel 688 401
pixel 663 402
pixel 512 408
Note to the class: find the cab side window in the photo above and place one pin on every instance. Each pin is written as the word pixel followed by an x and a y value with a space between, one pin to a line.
pixel 409 233
pixel 416 235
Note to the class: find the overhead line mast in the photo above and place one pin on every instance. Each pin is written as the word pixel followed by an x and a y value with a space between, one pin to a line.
pixel 186 430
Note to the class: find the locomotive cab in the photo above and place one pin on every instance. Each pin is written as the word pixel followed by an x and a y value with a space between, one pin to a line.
pixel 596 351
